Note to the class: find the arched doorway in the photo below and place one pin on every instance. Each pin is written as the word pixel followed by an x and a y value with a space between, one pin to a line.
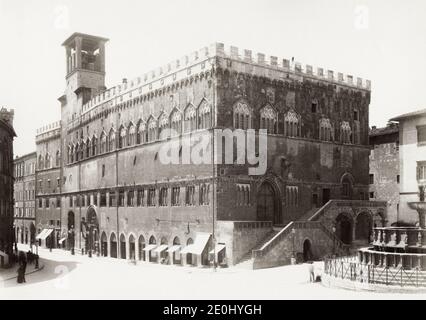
pixel 175 255
pixel 71 230
pixel 122 246
pixel 151 258
pixel 267 204
pixel 189 255
pixel 141 247
pixel 347 182
pixel 363 227
pixel 344 228
pixel 113 246
pixel 104 245
pixel 163 255
pixel 90 230
pixel 132 248
pixel 307 250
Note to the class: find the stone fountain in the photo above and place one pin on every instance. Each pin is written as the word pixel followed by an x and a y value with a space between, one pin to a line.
pixel 420 207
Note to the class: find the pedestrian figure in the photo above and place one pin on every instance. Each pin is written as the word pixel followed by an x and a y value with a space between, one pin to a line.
pixel 22 260
pixel 311 269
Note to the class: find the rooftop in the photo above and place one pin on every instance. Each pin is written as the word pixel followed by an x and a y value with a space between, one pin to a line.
pixel 417 113
pixel 389 129
pixel 83 35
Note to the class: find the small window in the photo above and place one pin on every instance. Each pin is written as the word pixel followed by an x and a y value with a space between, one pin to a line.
pixel 103 199
pixel 372 178
pixel 163 197
pixel 356 115
pixel 421 135
pixel 371 195
pixel 175 196
pixel 112 200
pixel 397 179
pixel 189 196
pixel 130 198
pixel 103 170
pixel 314 107
pixel 121 198
pixel 140 198
pixel 151 197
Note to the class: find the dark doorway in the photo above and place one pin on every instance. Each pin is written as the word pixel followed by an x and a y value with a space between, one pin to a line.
pixel 267 208
pixel 132 248
pixel 325 196
pixel 113 246
pixel 307 251
pixel 344 228
pixel 363 227
pixel 189 255
pixel 122 247
pixel 104 245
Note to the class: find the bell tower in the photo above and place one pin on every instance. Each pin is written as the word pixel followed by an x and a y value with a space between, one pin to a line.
pixel 85 67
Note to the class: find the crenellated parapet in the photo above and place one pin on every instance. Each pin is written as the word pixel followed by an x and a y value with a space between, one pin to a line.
pixel 49 131
pixel 202 63
pixel 264 65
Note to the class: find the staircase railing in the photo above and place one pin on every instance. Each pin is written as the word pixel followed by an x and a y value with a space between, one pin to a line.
pixel 301 225
pixel 321 211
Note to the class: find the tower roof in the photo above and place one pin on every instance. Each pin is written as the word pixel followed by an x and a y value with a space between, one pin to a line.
pixel 71 38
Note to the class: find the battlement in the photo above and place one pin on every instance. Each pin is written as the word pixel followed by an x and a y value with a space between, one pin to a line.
pixel 198 61
pixel 48 128
pixel 260 59
pixel 7 115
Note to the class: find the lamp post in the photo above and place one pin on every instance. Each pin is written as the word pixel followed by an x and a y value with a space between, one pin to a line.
pixel 334 241
pixel 293 255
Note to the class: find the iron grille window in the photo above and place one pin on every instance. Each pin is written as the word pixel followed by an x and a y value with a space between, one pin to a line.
pixel 175 196
pixel 112 200
pixel 189 196
pixel 140 198
pixel 121 198
pixel 130 198
pixel 151 197
pixel 163 197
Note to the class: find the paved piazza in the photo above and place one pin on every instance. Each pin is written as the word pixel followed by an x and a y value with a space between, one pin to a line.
pixel 78 277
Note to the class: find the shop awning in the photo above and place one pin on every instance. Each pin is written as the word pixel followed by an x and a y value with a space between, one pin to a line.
pixel 62 240
pixel 174 248
pixel 149 247
pixel 44 234
pixel 199 245
pixel 161 248
pixel 218 249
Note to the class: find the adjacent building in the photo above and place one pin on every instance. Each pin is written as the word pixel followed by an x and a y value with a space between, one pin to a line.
pixel 7 135
pixel 103 184
pixel 48 185
pixel 412 157
pixel 384 168
pixel 24 222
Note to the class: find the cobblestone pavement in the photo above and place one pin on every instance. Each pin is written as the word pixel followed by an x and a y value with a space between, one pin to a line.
pixel 79 277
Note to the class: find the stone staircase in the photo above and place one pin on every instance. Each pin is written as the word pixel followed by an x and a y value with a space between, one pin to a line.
pixel 247 260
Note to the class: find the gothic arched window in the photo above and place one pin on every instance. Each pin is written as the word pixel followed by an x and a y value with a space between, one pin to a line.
pixel 103 143
pixel 111 140
pixel 141 132
pixel 176 122
pixel 292 127
pixel 326 130
pixel 204 115
pixel 163 126
pixel 190 118
pixel 242 116
pixel 132 135
pixel 345 132
pixel 152 130
pixel 122 137
pixel 268 119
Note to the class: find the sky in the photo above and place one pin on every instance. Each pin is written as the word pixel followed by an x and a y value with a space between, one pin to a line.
pixel 380 40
